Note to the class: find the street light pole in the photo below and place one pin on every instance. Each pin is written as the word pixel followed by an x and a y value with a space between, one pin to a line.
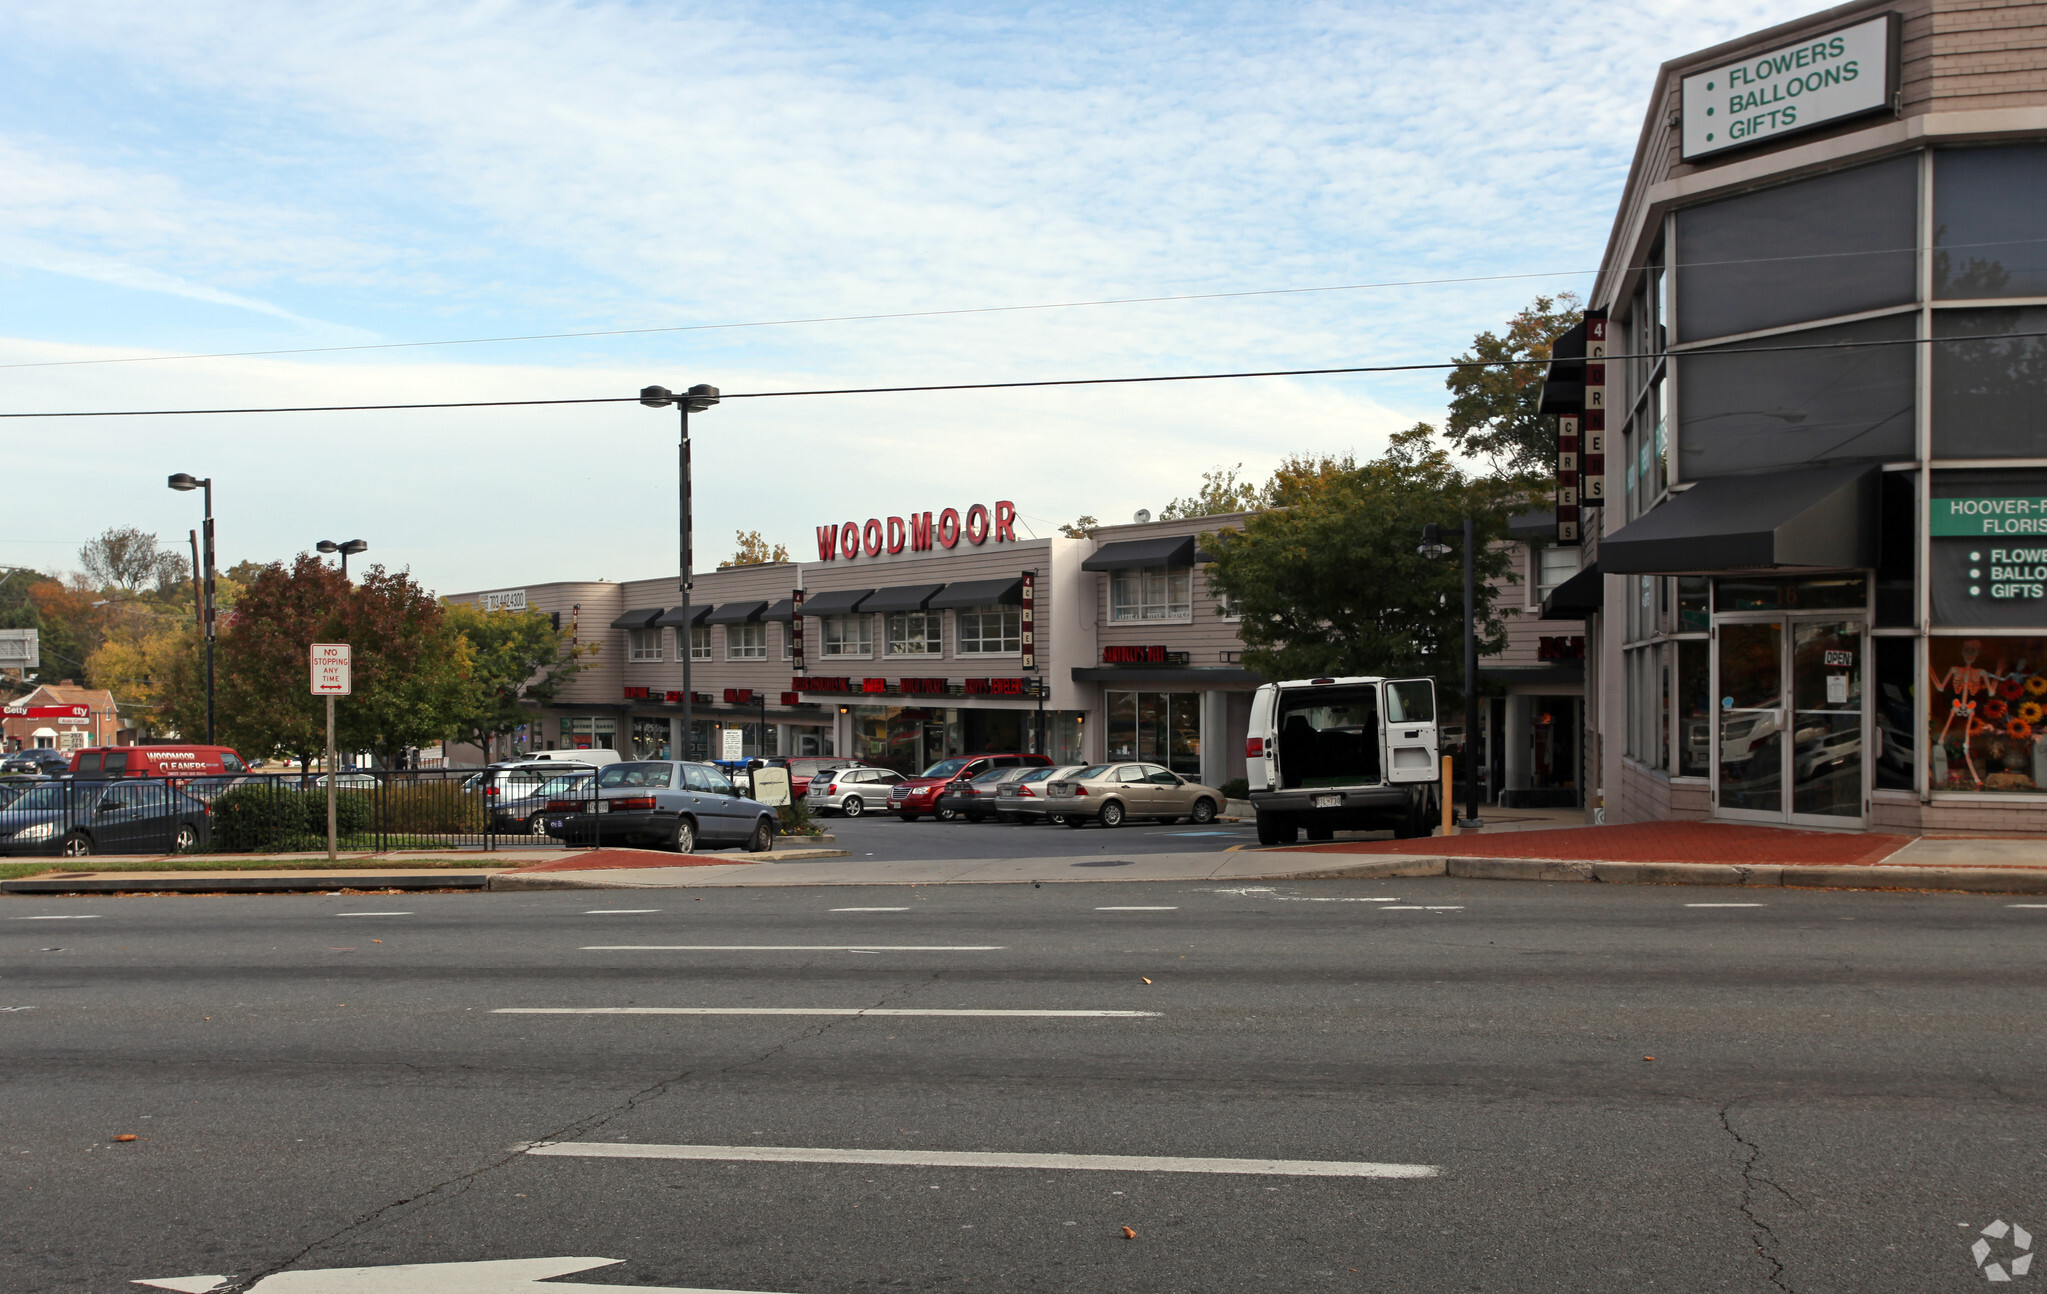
pixel 186 481
pixel 697 399
pixel 1433 546
pixel 346 550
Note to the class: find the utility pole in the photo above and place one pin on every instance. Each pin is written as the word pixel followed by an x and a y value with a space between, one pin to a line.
pixel 697 399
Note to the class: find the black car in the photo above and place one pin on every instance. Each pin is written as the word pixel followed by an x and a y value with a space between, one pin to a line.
pixel 76 819
pixel 974 799
pixel 40 760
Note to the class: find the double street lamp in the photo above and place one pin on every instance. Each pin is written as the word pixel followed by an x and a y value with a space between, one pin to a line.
pixel 695 400
pixel 183 481
pixel 347 550
pixel 1434 547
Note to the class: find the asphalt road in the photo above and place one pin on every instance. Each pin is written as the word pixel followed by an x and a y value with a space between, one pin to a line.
pixel 1846 1088
pixel 883 836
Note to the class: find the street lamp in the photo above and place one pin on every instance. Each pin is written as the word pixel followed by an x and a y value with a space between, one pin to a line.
pixel 1433 547
pixel 347 550
pixel 695 400
pixel 182 481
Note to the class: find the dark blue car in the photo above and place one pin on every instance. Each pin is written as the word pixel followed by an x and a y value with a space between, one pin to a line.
pixel 78 819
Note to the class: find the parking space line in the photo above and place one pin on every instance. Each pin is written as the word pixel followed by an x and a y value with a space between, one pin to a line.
pixel 64 916
pixel 1725 905
pixel 612 912
pixel 870 909
pixel 1415 907
pixel 987 1159
pixel 2026 905
pixel 1134 908
pixel 373 914
pixel 791 948
pixel 818 1010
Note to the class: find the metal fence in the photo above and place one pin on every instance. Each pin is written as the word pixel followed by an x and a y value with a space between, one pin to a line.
pixel 269 813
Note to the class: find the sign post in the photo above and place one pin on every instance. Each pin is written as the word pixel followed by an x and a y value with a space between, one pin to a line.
pixel 330 679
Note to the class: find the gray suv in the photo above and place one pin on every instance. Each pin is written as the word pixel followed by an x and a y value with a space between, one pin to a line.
pixel 851 791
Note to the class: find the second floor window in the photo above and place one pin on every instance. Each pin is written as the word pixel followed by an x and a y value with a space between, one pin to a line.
pixel 643 644
pixel 1553 565
pixel 846 635
pixel 700 643
pixel 1152 593
pixel 746 642
pixel 987 630
pixel 915 633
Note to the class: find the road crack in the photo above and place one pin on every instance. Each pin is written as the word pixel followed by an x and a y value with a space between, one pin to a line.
pixel 1760 1232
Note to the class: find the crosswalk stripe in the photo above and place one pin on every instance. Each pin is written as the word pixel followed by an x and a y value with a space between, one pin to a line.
pixel 807 1010
pixel 985 1159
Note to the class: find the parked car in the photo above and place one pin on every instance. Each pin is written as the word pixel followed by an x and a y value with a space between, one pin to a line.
pixel 975 798
pixel 596 756
pixel 1111 793
pixel 916 796
pixel 851 791
pixel 1024 798
pixel 75 819
pixel 518 790
pixel 804 767
pixel 155 761
pixel 346 780
pixel 663 802
pixel 40 761
pixel 1344 754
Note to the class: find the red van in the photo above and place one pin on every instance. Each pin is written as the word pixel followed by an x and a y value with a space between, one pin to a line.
pixel 156 761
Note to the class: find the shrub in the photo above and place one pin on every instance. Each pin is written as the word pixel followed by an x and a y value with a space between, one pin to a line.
pixel 1237 788
pixel 437 806
pixel 795 819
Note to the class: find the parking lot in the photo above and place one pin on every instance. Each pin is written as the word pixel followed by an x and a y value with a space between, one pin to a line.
pixel 883 836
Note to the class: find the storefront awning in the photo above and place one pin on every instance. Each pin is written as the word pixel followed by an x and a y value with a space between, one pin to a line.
pixel 903 597
pixel 1007 591
pixel 1815 518
pixel 838 602
pixel 1578 597
pixel 1533 527
pixel 1175 550
pixel 1563 384
pixel 736 613
pixel 637 619
pixel 673 617
pixel 780 612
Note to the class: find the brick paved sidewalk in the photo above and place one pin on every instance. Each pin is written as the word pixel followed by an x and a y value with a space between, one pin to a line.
pixel 1647 842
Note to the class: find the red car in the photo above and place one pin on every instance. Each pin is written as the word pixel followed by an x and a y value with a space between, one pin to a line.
pixel 918 796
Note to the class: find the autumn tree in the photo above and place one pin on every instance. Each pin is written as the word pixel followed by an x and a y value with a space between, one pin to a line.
pixel 1220 492
pixel 513 660
pixel 1332 584
pixel 1083 527
pixel 752 550
pixel 1493 402
pixel 127 558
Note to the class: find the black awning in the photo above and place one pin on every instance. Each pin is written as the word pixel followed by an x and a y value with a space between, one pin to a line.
pixel 780 612
pixel 1007 591
pixel 903 597
pixel 1563 384
pixel 837 602
pixel 1579 596
pixel 1174 550
pixel 672 618
pixel 736 613
pixel 637 619
pixel 1815 518
pixel 1533 527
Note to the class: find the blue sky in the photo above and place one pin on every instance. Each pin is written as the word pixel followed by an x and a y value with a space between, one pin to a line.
pixel 208 177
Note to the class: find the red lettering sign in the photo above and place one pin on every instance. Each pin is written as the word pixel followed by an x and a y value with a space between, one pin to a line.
pixel 949 528
pixel 922 686
pixel 1153 655
pixel 977 525
pixel 792 698
pixel 827 543
pixel 849 539
pixel 896 534
pixel 739 696
pixel 636 694
pixel 874 685
pixel 821 684
pixel 997 687
pixel 1005 521
pixel 920 532
pixel 870 537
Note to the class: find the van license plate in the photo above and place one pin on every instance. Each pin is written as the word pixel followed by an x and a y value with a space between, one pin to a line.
pixel 1327 802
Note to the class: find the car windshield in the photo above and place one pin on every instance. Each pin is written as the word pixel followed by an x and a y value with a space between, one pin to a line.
pixel 945 768
pixel 1090 773
pixel 649 774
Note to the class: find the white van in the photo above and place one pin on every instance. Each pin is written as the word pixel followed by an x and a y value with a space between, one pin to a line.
pixel 595 757
pixel 1343 754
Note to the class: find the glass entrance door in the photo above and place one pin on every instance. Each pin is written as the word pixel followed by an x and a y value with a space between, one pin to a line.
pixel 1791 721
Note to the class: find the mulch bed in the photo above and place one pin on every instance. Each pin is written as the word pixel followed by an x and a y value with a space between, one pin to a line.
pixel 609 860
pixel 1647 842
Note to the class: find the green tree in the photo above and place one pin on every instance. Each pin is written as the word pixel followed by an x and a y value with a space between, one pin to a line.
pixel 1220 492
pixel 1080 528
pixel 1492 404
pixel 751 550
pixel 1332 584
pixel 512 659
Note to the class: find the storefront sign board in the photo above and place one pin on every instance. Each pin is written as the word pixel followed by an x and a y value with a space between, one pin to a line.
pixel 1988 517
pixel 1797 87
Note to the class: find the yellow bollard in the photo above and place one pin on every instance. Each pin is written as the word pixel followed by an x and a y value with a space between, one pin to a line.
pixel 1449 802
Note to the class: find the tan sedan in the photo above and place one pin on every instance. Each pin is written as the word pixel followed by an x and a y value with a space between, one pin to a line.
pixel 1109 793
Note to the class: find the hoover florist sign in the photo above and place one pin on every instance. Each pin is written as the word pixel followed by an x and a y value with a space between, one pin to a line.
pixel 1814 82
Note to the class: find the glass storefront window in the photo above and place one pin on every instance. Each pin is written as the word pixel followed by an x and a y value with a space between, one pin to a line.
pixel 1694 604
pixel 1158 727
pixel 1764 593
pixel 1896 685
pixel 1988 581
pixel 1988 396
pixel 650 739
pixel 586 733
pixel 1990 222
pixel 1694 708
pixel 985 631
pixel 1985 710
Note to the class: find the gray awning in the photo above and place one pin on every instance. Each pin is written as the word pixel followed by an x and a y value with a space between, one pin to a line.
pixel 1579 596
pixel 903 597
pixel 1174 550
pixel 1007 591
pixel 780 612
pixel 736 613
pixel 672 618
pixel 838 602
pixel 637 619
pixel 1815 518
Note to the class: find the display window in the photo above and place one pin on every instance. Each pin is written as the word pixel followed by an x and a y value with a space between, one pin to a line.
pixel 1986 707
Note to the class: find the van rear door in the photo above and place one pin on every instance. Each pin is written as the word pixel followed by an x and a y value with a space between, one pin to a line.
pixel 1410 726
pixel 1259 751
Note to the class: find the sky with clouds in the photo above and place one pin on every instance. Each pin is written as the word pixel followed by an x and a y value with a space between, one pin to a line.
pixel 206 177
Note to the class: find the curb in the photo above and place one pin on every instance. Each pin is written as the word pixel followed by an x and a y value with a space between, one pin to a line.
pixel 217 883
pixel 1790 876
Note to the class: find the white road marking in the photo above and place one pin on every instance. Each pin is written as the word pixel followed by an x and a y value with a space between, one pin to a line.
pixel 606 912
pixel 373 914
pixel 804 1010
pixel 870 909
pixel 16 1008
pixel 791 948
pixel 502 1276
pixel 67 916
pixel 1724 905
pixel 2026 905
pixel 1411 907
pixel 1174 908
pixel 1296 898
pixel 986 1159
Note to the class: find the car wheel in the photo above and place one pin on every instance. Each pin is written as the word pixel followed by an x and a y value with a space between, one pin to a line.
pixel 1111 814
pixel 537 824
pixel 762 839
pixel 907 817
pixel 1056 819
pixel 1070 819
pixel 1204 812
pixel 853 806
pixel 186 839
pixel 683 839
pixel 77 845
pixel 946 815
pixel 1275 829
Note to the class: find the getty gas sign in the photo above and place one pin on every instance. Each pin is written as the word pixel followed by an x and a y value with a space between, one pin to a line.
pixel 919 532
